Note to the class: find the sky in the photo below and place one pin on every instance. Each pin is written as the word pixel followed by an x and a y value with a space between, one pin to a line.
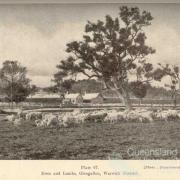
pixel 36 35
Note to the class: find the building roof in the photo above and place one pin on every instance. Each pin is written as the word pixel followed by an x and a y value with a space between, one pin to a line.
pixel 2 96
pixel 90 96
pixel 44 96
pixel 71 95
pixel 105 97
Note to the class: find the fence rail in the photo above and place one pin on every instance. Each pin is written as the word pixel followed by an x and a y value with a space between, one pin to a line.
pixel 135 102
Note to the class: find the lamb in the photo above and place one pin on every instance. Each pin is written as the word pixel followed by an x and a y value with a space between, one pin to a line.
pixel 49 120
pixel 146 116
pixel 114 117
pixel 81 118
pixel 33 116
pixel 11 118
pixel 15 119
pixel 68 120
pixel 52 121
pixel 18 121
pixel 168 115
pixel 94 117
pixel 172 115
pixel 38 123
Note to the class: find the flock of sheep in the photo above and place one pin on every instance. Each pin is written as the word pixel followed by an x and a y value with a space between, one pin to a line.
pixel 69 119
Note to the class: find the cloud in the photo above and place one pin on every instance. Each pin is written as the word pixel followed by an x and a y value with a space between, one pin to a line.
pixel 165 39
pixel 37 35
pixel 39 53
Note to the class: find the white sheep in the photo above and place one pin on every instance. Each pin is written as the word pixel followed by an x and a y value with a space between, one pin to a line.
pixel 68 120
pixel 11 118
pixel 114 117
pixel 18 121
pixel 132 116
pixel 166 115
pixel 33 116
pixel 39 123
pixel 146 116
pixel 81 118
pixel 53 121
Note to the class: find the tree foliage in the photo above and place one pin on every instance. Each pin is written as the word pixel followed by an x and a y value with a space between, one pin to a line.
pixel 33 89
pixel 111 50
pixel 14 82
pixel 139 89
pixel 174 73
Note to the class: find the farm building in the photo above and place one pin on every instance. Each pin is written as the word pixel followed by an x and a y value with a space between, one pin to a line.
pixel 72 98
pixel 43 97
pixel 93 98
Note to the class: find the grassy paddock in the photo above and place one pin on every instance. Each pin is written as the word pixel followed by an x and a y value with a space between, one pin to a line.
pixel 88 141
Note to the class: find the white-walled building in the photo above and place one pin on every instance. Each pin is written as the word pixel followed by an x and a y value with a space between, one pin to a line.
pixel 72 98
pixel 93 98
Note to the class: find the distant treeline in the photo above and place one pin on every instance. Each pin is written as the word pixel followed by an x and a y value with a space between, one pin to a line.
pixel 91 86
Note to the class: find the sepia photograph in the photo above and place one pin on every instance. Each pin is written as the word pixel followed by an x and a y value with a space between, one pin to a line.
pixel 97 81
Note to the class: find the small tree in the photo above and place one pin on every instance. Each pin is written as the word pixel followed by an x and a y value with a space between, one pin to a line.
pixel 14 82
pixel 174 73
pixel 62 85
pixel 51 89
pixel 139 89
pixel 110 51
pixel 33 89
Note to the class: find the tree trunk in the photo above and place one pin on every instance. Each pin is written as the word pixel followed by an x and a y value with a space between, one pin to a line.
pixel 11 96
pixel 127 100
pixel 175 101
pixel 124 96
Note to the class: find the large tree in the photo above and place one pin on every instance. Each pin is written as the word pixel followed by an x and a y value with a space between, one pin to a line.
pixel 110 51
pixel 14 82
